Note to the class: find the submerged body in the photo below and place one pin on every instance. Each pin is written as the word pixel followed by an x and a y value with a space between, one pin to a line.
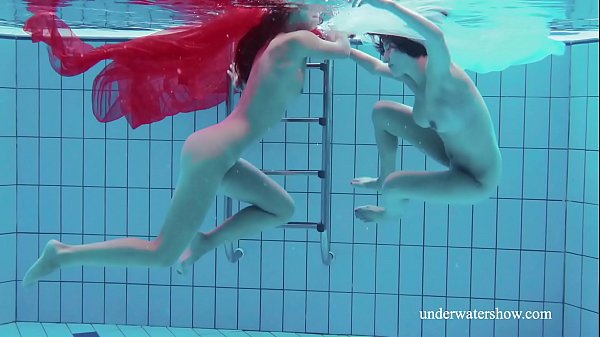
pixel 211 160
pixel 449 122
pixel 453 108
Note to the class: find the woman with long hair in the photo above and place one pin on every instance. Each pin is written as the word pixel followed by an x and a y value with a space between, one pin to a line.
pixel 270 60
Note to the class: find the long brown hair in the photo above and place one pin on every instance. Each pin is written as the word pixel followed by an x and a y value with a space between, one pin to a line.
pixel 272 23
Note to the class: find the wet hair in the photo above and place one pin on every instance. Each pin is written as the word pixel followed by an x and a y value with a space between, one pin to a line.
pixel 271 24
pixel 410 47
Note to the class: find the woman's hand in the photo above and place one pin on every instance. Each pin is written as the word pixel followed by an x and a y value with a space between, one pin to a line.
pixel 341 39
pixel 234 76
pixel 335 36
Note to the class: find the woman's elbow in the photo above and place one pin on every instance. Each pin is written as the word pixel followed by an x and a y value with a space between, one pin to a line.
pixel 347 50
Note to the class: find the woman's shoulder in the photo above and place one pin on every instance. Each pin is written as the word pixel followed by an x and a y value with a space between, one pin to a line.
pixel 297 36
pixel 456 80
pixel 290 44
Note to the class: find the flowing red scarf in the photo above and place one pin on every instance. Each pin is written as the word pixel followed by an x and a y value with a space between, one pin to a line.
pixel 182 69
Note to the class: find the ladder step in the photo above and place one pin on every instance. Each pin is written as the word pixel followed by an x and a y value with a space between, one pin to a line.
pixel 302 119
pixel 314 65
pixel 293 172
pixel 300 225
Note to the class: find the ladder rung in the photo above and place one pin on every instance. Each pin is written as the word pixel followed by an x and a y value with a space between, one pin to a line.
pixel 300 225
pixel 302 119
pixel 356 41
pixel 314 65
pixel 292 172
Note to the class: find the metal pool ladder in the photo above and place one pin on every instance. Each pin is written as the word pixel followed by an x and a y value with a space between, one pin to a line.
pixel 326 122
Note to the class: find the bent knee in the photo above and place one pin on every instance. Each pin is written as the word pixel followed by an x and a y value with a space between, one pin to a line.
pixel 490 181
pixel 381 112
pixel 489 186
pixel 385 111
pixel 486 187
pixel 287 209
pixel 283 209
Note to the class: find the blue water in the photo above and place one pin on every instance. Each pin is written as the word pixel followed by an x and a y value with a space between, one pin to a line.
pixel 532 246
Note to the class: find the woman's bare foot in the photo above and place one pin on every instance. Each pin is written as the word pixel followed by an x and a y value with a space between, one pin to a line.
pixel 198 247
pixel 46 264
pixel 367 182
pixel 370 213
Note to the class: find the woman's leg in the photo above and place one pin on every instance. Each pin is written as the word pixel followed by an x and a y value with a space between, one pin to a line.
pixel 391 121
pixel 198 183
pixel 454 186
pixel 270 206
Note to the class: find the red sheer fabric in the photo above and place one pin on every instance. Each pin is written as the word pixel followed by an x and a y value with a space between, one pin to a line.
pixel 176 70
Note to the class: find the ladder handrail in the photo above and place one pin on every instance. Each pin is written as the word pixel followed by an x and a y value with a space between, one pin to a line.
pixel 326 254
